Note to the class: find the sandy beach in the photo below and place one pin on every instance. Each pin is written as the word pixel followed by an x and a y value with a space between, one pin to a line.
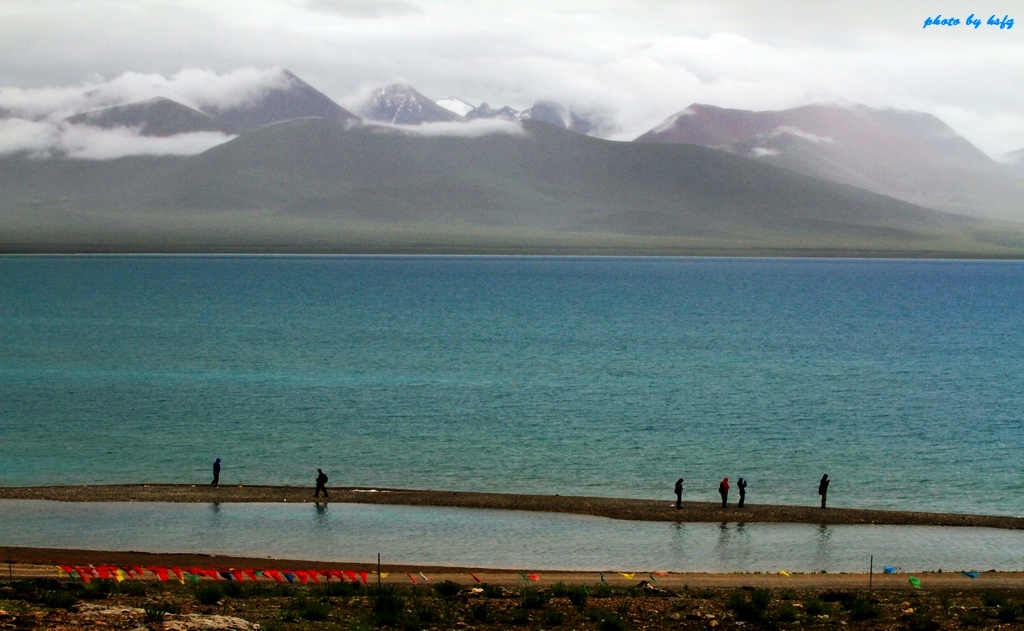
pixel 615 508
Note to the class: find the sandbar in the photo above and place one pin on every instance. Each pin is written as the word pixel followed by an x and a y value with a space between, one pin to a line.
pixel 611 507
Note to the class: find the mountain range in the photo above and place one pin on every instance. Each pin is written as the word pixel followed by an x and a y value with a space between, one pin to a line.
pixel 305 174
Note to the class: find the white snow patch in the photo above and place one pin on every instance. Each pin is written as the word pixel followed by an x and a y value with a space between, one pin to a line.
pixel 456 105
pixel 760 152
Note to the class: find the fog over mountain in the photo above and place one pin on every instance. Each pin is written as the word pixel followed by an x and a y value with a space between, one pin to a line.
pixel 908 155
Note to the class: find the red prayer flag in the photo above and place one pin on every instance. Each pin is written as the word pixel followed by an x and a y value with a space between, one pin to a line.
pixel 238 574
pixel 67 569
pixel 352 575
pixel 533 577
pixel 177 572
pixel 302 576
pixel 251 574
pixel 362 575
pixel 411 578
pixel 274 574
pixel 475 577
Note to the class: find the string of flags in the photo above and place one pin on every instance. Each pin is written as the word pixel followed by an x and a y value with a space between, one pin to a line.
pixel 194 574
pixel 120 573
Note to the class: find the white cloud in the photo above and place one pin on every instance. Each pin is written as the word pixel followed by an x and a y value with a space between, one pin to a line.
pixel 42 139
pixel 806 135
pixel 193 87
pixel 468 129
pixel 760 152
pixel 640 61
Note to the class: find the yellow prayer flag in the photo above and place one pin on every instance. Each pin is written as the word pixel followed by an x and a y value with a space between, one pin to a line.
pixel 784 572
pixel 119 575
pixel 628 574
pixel 383 574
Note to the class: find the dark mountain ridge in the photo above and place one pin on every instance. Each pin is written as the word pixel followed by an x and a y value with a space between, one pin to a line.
pixel 542 185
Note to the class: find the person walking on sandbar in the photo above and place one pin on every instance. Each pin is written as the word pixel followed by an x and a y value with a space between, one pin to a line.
pixel 741 484
pixel 321 483
pixel 216 472
pixel 679 493
pixel 823 488
pixel 723 490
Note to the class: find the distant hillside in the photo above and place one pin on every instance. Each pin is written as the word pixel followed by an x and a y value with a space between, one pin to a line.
pixel 908 155
pixel 155 117
pixel 294 99
pixel 317 185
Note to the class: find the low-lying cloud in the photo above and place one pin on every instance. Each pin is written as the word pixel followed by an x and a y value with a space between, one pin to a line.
pixel 35 119
pixel 468 129
pixel 196 88
pixel 47 139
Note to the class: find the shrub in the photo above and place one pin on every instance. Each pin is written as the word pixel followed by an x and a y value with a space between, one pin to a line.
pixel 973 619
pixel 761 598
pixel 559 590
pixel 60 600
pixel 492 591
pixel 387 605
pixel 862 608
pixel 1008 612
pixel 602 590
pixel 426 613
pixel 554 618
pixel 481 612
pixel 209 593
pixel 448 589
pixel 993 599
pixel 845 599
pixel 533 598
pixel 743 608
pixel 156 612
pixel 611 622
pixel 336 589
pixel 577 595
pixel 520 616
pixel 131 588
pixel 815 607
pixel 787 612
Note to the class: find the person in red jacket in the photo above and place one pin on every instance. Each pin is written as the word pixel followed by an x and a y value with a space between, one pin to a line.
pixel 723 490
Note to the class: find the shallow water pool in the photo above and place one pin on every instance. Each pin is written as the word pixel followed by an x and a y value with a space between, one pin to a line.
pixel 499 539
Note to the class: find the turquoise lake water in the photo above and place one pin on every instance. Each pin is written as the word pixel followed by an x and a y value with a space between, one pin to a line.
pixel 903 380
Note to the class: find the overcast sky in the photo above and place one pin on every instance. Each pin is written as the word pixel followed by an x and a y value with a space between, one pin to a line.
pixel 639 62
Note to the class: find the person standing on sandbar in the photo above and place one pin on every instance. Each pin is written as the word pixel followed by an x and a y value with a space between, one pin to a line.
pixel 321 483
pixel 823 488
pixel 216 472
pixel 723 490
pixel 741 484
pixel 679 493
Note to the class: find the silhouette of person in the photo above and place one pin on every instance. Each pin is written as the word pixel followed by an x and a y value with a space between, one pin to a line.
pixel 321 482
pixel 823 488
pixel 679 493
pixel 741 484
pixel 216 472
pixel 723 490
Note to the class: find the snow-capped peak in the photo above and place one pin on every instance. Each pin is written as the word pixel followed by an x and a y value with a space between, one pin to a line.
pixel 456 105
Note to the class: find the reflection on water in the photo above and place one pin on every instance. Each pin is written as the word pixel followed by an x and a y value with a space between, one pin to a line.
pixel 500 539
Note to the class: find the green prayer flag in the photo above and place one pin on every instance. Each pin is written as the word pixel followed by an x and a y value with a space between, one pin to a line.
pixel 916 582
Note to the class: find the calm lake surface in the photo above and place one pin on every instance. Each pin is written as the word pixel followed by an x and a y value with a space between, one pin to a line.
pixel 500 539
pixel 903 380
